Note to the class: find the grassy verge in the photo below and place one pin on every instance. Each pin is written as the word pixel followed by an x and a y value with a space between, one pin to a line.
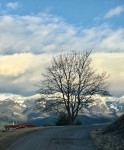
pixel 6 138
pixel 108 141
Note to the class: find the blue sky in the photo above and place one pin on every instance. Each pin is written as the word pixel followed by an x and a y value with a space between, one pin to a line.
pixel 36 30
pixel 77 12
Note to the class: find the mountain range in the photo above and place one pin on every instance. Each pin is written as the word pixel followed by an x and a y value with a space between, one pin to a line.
pixel 22 109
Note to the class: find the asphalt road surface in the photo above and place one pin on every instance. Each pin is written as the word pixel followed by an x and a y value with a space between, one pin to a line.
pixel 57 138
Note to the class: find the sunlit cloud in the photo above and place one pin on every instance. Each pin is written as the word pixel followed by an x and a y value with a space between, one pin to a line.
pixel 114 12
pixel 27 43
pixel 112 63
pixel 19 64
pixel 21 71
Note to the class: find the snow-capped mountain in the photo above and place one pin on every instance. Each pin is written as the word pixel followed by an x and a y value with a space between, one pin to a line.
pixel 16 107
pixel 106 106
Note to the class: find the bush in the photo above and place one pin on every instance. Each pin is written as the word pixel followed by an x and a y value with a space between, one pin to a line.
pixel 62 119
pixel 78 122
pixel 107 147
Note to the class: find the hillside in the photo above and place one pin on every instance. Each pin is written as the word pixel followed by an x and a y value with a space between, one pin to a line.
pixel 117 127
pixel 111 137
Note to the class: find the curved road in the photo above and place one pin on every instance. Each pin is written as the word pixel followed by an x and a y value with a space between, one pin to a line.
pixel 57 138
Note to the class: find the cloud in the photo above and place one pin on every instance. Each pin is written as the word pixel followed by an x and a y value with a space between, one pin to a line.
pixel 20 72
pixel 12 5
pixel 19 64
pixel 27 43
pixel 114 12
pixel 8 8
pixel 36 34
pixel 112 63
pixel 114 42
pixel 45 33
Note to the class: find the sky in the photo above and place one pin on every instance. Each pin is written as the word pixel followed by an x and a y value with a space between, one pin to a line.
pixel 32 32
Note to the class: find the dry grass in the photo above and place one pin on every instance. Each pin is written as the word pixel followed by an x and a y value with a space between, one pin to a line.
pixel 109 141
pixel 6 138
pixel 112 136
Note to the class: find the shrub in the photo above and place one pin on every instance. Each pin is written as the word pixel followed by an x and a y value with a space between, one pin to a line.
pixel 62 119
pixel 78 122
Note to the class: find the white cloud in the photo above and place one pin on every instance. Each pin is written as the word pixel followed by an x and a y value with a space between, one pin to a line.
pixel 114 12
pixel 19 64
pixel 36 34
pixel 12 5
pixel 112 63
pixel 28 42
pixel 18 72
pixel 114 41
pixel 45 33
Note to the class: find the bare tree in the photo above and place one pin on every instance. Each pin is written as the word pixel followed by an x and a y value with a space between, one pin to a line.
pixel 72 75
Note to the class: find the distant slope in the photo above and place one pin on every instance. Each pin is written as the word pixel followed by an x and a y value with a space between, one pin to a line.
pixel 2 123
pixel 117 127
pixel 112 136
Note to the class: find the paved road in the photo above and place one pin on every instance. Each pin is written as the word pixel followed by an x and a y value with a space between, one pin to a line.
pixel 57 138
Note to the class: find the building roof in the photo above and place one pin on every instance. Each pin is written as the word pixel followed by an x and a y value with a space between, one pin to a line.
pixel 19 126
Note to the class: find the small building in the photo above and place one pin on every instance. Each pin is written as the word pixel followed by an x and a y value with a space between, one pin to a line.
pixel 17 126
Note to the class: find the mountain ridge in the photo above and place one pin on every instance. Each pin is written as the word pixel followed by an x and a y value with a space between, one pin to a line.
pixel 17 107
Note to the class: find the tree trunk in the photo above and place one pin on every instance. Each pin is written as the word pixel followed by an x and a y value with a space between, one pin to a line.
pixel 71 120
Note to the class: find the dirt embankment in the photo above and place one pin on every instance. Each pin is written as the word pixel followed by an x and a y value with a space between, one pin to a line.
pixel 112 136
